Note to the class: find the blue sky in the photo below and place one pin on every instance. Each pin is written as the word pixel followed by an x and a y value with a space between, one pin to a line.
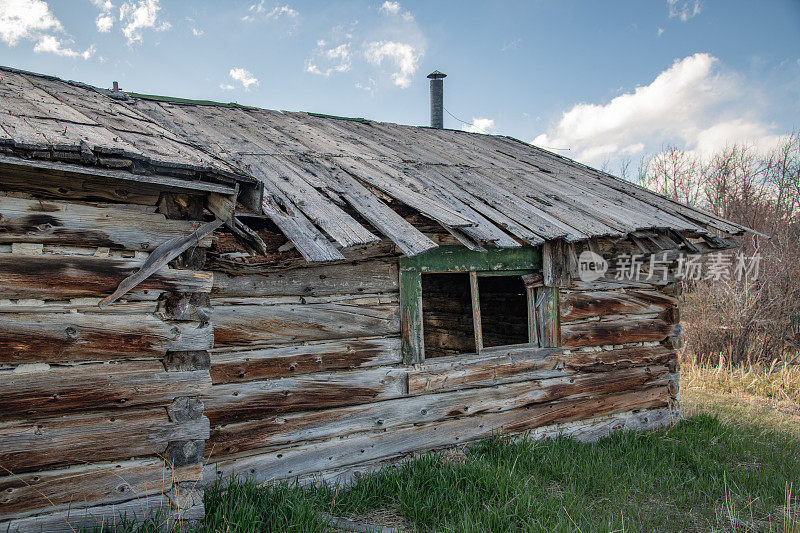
pixel 598 81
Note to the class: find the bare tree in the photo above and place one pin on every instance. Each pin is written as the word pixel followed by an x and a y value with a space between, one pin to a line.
pixel 674 173
pixel 743 320
pixel 625 168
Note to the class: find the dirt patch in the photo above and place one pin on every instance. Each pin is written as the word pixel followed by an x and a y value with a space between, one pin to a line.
pixel 453 456
pixel 390 519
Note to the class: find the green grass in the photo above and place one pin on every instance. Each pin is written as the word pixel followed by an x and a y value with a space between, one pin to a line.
pixel 721 468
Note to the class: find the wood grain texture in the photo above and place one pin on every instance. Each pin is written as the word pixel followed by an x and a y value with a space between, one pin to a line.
pixel 466 371
pixel 337 453
pixel 624 330
pixel 53 221
pixel 99 517
pixel 247 401
pixel 320 356
pixel 27 445
pixel 96 386
pixel 582 305
pixel 588 430
pixel 59 277
pixel 249 325
pixel 54 184
pixel 347 278
pixel 290 429
pixel 48 337
pixel 82 486
pixel 604 360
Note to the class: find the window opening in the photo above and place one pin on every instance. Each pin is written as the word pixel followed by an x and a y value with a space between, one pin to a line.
pixel 447 324
pixel 504 310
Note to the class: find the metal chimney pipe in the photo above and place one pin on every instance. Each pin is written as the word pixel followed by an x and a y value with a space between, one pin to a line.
pixel 437 98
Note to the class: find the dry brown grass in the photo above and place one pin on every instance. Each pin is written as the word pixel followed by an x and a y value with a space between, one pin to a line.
pixel 778 381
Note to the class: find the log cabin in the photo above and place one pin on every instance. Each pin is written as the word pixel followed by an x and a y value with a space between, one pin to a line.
pixel 192 290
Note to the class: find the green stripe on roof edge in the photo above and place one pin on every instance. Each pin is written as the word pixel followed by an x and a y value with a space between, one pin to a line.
pixel 176 100
pixel 323 115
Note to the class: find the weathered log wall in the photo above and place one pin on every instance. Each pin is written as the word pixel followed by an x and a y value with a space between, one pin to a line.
pixel 624 319
pixel 272 370
pixel 308 378
pixel 99 409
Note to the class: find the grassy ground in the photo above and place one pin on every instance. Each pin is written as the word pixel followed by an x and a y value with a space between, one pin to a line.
pixel 732 464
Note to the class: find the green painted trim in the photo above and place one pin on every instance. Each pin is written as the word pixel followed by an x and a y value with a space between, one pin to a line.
pixel 176 100
pixel 323 115
pixel 493 262
pixel 411 317
pixel 496 273
pixel 461 259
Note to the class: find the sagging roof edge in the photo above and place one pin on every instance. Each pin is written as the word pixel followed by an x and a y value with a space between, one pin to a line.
pixel 242 174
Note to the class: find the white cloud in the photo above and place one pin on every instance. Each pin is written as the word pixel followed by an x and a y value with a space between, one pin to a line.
pixel 369 86
pixel 226 86
pixel 736 131
pixel 404 57
pixel 105 20
pixel 692 104
pixel 334 59
pixel 104 23
pixel 197 32
pixel 259 11
pixel 138 16
pixel 390 8
pixel 245 77
pixel 480 125
pixel 387 46
pixel 26 20
pixel 32 20
pixel 51 44
pixel 659 32
pixel 684 9
pixel 394 8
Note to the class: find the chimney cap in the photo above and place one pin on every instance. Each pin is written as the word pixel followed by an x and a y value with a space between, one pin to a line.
pixel 436 75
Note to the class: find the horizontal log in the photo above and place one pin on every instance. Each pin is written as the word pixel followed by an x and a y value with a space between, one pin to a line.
pixel 245 401
pixel 612 280
pixel 282 361
pixel 54 490
pixel 337 453
pixel 611 284
pixel 51 184
pixel 624 330
pixel 94 386
pixel 583 430
pixel 49 337
pixel 291 429
pixel 77 439
pixel 583 305
pixel 605 360
pixel 93 518
pixel 52 221
pixel 348 278
pixel 78 305
pixel 465 371
pixel 347 299
pixel 245 325
pixel 59 277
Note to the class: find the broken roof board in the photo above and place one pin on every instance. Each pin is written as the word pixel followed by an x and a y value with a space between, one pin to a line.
pixel 484 189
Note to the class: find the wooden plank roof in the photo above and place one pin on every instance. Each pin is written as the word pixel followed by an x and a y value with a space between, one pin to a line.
pixel 487 190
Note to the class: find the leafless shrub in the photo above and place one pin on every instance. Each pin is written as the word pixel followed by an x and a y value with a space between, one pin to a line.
pixel 742 320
